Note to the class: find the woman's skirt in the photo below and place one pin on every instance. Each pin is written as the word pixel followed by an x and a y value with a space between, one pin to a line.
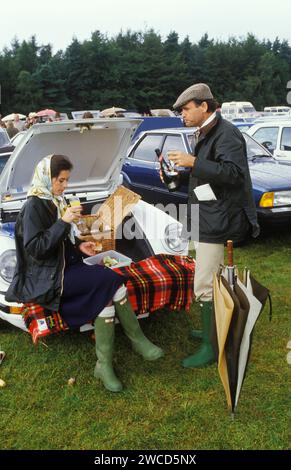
pixel 86 291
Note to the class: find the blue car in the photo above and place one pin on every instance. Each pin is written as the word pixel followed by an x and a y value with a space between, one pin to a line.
pixel 271 179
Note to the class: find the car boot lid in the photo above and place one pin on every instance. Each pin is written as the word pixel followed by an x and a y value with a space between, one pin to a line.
pixel 96 147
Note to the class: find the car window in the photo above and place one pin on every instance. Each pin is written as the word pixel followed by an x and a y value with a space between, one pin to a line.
pixel 173 142
pixel 190 138
pixel 146 149
pixel 267 134
pixel 286 139
pixel 254 149
pixel 3 161
pixel 4 139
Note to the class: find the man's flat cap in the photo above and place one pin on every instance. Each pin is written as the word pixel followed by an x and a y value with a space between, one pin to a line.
pixel 199 91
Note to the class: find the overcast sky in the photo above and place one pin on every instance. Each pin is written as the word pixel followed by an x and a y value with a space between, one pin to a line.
pixel 57 21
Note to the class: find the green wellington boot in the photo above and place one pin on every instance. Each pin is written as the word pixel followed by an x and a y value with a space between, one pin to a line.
pixel 104 337
pixel 205 354
pixel 196 334
pixel 133 331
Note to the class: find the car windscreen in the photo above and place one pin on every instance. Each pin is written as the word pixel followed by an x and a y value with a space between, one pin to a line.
pixel 267 134
pixel 254 149
pixel 4 139
pixel 248 109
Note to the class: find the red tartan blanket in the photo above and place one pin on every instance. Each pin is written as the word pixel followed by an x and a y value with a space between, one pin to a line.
pixel 156 282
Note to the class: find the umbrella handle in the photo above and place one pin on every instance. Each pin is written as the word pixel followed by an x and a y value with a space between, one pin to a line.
pixel 229 247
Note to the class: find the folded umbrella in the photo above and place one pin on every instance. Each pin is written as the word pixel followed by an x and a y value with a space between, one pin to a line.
pixel 231 308
pixel 236 310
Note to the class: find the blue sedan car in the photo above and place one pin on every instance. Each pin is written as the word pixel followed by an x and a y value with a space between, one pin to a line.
pixel 271 179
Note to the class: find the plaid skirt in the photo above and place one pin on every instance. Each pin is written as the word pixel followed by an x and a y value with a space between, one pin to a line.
pixel 156 282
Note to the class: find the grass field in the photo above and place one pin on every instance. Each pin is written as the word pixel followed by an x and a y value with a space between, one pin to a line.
pixel 163 405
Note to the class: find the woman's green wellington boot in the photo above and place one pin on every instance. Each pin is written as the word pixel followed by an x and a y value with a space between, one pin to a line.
pixel 104 337
pixel 133 331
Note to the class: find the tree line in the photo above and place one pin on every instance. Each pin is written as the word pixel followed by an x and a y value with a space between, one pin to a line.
pixel 139 70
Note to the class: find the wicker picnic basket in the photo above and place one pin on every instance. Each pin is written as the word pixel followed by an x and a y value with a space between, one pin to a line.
pixel 101 227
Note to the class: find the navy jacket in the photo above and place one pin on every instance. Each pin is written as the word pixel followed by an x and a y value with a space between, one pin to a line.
pixel 222 163
pixel 40 253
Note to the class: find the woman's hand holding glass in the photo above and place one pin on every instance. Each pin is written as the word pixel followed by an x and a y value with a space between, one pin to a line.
pixel 72 214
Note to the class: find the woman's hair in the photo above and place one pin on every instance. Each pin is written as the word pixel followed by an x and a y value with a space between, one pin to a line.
pixel 58 164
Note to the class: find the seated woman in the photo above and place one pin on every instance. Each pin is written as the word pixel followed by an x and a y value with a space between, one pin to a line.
pixel 51 273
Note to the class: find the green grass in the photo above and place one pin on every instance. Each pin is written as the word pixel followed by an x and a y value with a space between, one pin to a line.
pixel 163 405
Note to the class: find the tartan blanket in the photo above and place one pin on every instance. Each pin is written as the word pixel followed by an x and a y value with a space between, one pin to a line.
pixel 156 282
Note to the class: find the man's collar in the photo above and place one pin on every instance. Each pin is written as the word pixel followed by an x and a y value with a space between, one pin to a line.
pixel 208 124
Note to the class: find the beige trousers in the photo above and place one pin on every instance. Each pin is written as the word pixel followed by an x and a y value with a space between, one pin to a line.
pixel 209 256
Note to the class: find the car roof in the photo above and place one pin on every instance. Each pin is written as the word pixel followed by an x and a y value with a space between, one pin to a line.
pixel 171 130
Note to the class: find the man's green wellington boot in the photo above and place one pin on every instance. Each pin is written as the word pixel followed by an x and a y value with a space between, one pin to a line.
pixel 205 354
pixel 104 337
pixel 133 331
pixel 196 334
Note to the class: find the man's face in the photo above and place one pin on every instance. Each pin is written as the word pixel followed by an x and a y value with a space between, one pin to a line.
pixel 193 114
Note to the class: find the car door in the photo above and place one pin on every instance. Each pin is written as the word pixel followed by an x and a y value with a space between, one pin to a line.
pixel 284 149
pixel 141 166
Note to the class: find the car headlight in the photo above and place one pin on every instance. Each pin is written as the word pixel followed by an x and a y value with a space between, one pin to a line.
pixel 7 265
pixel 276 199
pixel 174 239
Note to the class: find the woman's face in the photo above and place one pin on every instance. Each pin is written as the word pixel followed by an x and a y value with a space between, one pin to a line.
pixel 60 182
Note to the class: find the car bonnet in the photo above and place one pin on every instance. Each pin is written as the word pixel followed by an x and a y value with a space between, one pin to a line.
pixel 96 147
pixel 270 175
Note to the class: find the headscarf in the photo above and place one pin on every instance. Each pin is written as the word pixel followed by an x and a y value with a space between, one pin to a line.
pixel 41 186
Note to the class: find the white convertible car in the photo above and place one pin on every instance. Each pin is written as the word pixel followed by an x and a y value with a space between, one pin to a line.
pixel 97 148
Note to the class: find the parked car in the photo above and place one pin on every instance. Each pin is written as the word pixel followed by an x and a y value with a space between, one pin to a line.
pixel 5 142
pixel 275 136
pixel 277 110
pixel 271 179
pixel 238 109
pixel 6 148
pixel 157 122
pixel 97 155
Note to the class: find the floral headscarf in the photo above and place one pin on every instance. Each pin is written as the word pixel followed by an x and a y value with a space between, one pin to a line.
pixel 41 186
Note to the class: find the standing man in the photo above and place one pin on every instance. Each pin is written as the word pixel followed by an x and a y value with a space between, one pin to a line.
pixel 226 204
